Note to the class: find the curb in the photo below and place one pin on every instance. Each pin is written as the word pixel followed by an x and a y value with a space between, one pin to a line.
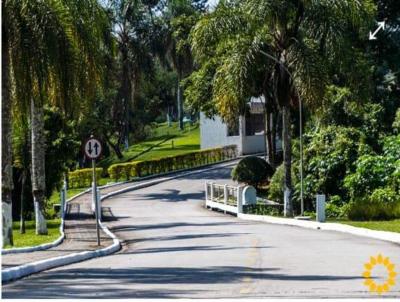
pixel 38 266
pixel 326 226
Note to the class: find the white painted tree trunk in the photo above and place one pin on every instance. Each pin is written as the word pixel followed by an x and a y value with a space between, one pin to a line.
pixel 38 166
pixel 6 209
pixel 6 143
pixel 287 160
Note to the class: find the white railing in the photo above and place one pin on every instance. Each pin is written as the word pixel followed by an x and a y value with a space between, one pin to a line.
pixel 224 197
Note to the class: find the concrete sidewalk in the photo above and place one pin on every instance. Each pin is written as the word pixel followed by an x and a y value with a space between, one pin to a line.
pixel 80 235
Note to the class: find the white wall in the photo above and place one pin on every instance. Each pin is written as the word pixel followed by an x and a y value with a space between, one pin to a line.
pixel 213 133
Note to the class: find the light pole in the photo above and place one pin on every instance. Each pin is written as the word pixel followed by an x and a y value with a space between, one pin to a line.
pixel 301 130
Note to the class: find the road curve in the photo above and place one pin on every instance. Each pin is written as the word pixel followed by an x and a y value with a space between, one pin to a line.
pixel 174 248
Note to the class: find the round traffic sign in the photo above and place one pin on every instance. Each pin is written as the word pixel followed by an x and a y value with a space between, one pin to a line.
pixel 93 148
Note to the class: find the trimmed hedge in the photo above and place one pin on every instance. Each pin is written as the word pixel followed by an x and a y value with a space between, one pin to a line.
pixel 171 163
pixel 82 177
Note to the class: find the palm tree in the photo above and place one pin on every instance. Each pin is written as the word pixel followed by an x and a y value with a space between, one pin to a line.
pixel 6 166
pixel 133 30
pixel 54 47
pixel 181 16
pixel 300 39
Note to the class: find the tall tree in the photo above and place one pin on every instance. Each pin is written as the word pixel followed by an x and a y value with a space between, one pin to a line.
pixel 133 29
pixel 6 151
pixel 295 38
pixel 54 48
pixel 180 17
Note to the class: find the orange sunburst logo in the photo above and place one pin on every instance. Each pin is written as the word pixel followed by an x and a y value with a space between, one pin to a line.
pixel 391 274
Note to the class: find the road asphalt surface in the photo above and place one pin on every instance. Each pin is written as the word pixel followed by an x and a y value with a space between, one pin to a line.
pixel 175 248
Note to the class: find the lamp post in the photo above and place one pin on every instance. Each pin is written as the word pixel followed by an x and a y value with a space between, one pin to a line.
pixel 301 130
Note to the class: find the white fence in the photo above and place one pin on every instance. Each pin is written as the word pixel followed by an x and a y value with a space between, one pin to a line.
pixel 224 197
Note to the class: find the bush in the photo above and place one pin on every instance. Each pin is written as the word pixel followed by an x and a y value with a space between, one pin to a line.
pixel 382 204
pixel 276 186
pixel 396 123
pixel 372 172
pixel 82 177
pixel 252 170
pixel 171 163
pixel 263 209
pixel 329 155
pixel 334 211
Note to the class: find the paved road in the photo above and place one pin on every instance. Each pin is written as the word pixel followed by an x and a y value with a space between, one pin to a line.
pixel 173 247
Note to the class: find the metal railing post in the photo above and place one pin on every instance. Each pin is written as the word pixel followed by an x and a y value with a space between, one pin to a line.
pixel 212 191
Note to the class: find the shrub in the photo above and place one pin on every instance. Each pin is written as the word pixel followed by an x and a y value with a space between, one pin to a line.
pixel 82 177
pixel 334 211
pixel 252 170
pixel 330 154
pixel 382 204
pixel 263 209
pixel 276 186
pixel 372 172
pixel 396 123
pixel 276 189
pixel 170 163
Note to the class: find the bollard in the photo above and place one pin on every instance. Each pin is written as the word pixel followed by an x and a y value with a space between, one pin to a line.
pixel 240 199
pixel 320 205
pixel 62 202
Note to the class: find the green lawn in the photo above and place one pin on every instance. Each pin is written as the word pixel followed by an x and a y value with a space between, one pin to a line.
pixel 30 238
pixel 390 225
pixel 165 141
pixel 183 142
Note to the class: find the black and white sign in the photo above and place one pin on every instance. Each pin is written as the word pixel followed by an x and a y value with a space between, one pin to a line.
pixel 93 148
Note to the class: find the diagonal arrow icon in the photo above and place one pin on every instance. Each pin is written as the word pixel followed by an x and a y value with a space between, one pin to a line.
pixel 372 36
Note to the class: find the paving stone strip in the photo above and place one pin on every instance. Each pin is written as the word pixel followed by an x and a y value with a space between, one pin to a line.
pixel 80 233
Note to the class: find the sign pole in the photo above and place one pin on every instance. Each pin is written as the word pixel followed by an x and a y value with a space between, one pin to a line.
pixel 93 150
pixel 95 200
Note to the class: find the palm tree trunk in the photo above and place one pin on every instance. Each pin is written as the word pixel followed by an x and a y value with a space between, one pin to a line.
pixel 38 166
pixel 287 160
pixel 274 117
pixel 22 217
pixel 6 165
pixel 180 105
pixel 271 157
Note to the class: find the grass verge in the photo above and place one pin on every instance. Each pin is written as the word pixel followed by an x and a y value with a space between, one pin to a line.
pixel 389 225
pixel 30 238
